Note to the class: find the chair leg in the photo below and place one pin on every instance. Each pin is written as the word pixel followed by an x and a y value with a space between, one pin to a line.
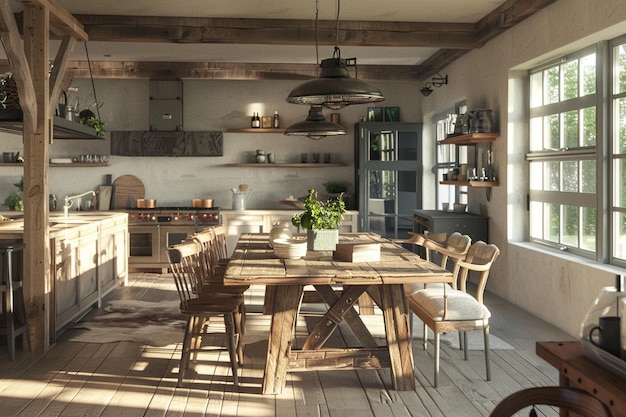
pixel 425 333
pixel 184 356
pixel 240 331
pixel 487 363
pixel 437 341
pixel 231 337
pixel 465 348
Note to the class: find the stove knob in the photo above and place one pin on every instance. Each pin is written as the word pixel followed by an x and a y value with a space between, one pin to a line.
pixel 190 217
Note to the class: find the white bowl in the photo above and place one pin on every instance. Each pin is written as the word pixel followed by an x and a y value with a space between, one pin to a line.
pixel 289 248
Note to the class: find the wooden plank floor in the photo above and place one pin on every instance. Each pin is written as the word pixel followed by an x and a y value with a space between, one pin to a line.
pixel 127 379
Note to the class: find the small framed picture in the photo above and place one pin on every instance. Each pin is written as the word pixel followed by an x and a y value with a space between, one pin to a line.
pixel 392 114
pixel 374 114
pixel 266 122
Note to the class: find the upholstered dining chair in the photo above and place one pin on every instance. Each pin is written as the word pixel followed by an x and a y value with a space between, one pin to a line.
pixel 186 265
pixel 445 309
pixel 574 400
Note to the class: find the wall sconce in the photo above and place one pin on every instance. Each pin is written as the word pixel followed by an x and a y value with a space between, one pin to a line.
pixel 434 82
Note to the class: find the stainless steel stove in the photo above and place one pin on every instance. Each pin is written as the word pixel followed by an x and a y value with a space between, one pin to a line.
pixel 152 231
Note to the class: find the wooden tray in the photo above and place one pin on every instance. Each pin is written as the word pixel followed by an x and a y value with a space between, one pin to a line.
pixel 128 189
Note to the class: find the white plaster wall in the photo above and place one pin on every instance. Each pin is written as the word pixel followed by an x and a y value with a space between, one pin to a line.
pixel 555 287
pixel 212 105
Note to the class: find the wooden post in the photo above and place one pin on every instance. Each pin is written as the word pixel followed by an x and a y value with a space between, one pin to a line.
pixel 37 275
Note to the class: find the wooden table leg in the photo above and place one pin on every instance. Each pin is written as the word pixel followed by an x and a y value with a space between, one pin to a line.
pixel 284 315
pixel 398 335
pixel 268 300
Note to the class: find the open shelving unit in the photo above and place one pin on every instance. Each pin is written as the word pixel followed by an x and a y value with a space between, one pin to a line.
pixel 285 165
pixel 256 130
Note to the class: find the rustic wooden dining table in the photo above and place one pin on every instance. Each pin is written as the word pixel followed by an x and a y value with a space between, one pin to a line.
pixel 254 262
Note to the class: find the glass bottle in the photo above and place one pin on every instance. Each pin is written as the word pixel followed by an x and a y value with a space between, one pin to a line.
pixel 276 121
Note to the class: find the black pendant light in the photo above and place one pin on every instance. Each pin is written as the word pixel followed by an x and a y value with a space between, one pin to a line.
pixel 334 88
pixel 315 126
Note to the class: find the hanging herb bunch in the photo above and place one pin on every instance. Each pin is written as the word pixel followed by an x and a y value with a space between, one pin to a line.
pixel 87 118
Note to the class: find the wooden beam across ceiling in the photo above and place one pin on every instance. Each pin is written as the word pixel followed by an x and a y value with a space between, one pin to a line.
pixel 276 31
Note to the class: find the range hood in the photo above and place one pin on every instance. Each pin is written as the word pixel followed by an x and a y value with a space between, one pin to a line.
pixel 166 136
pixel 11 121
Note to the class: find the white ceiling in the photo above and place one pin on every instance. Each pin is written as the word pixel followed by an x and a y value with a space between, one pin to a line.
pixel 457 11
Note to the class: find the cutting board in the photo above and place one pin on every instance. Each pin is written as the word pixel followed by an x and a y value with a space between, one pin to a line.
pixel 128 189
pixel 104 197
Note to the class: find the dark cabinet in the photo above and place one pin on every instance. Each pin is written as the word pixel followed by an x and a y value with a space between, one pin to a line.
pixel 435 221
pixel 388 158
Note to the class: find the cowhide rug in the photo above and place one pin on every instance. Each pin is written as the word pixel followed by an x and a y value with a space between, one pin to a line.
pixel 149 323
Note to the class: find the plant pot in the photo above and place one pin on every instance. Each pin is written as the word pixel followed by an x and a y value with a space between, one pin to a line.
pixel 322 239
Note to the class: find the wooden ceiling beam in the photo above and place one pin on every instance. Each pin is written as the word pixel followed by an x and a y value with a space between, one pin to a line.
pixel 224 71
pixel 276 31
pixel 61 21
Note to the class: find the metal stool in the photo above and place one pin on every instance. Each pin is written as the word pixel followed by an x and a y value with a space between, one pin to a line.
pixel 13 308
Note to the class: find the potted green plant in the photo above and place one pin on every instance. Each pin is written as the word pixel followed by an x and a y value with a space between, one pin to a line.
pixel 14 201
pixel 95 123
pixel 322 221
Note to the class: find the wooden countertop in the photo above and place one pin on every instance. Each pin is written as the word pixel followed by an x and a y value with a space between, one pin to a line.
pixel 14 228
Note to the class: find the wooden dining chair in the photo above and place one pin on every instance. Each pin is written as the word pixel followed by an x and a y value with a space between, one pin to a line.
pixel 186 265
pixel 445 309
pixel 214 262
pixel 451 251
pixel 574 400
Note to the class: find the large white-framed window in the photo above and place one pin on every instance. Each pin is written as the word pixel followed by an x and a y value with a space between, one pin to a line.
pixel 617 168
pixel 565 196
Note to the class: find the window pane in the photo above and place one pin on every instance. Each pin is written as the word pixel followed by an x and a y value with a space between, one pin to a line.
pixel 536 134
pixel 552 132
pixel 570 225
pixel 536 219
pixel 620 69
pixel 570 176
pixel 570 80
pixel 552 223
pixel 619 130
pixel 588 75
pixel 588 239
pixel 407 146
pixel 536 175
pixel 588 176
pixel 382 185
pixel 619 182
pixel 552 176
pixel 570 129
pixel 551 85
pixel 619 235
pixel 589 126
pixel 536 92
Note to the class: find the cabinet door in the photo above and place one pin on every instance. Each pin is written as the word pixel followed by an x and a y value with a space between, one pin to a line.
pixel 113 259
pixel 389 176
pixel 87 268
pixel 66 278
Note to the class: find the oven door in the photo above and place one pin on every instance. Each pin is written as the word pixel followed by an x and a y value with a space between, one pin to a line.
pixel 143 244
pixel 173 235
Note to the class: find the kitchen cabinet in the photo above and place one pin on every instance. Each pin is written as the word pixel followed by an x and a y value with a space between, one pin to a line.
pixel 237 222
pixel 113 262
pixel 388 157
pixel 476 140
pixel 75 272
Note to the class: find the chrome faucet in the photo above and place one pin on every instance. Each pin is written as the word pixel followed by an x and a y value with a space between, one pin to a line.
pixel 70 200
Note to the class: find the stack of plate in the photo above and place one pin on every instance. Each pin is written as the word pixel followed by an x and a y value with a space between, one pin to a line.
pixel 289 248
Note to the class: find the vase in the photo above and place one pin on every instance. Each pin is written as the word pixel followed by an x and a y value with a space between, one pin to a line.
pixel 322 239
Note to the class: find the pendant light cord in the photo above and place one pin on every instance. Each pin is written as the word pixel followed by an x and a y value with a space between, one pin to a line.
pixel 93 87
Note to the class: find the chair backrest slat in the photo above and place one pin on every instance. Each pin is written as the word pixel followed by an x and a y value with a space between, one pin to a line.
pixel 186 265
pixel 479 258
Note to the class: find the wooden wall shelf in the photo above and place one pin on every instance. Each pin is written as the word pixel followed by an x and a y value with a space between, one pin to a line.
pixel 294 165
pixel 73 165
pixel 475 184
pixel 256 130
pixel 470 139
